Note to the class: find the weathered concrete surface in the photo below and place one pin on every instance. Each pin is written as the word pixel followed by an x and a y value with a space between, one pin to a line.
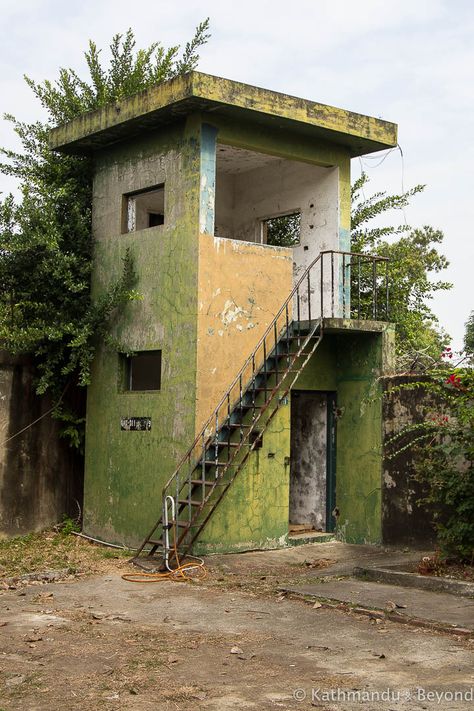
pixel 438 607
pixel 341 558
pixel 196 91
pixel 241 287
pixel 412 580
pixel 405 519
pixel 254 512
pixel 246 197
pixel 106 643
pixel 308 459
pixel 167 136
pixel 40 475
pixel 126 471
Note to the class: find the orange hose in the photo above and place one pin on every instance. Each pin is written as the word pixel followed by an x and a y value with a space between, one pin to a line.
pixel 178 574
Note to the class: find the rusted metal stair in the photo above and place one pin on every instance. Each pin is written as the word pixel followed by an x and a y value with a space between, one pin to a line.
pixel 236 426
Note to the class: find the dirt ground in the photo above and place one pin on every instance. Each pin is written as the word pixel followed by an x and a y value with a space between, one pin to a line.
pixel 232 641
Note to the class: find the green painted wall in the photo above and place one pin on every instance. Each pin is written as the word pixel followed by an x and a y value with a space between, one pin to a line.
pixel 255 510
pixel 362 358
pixel 350 363
pixel 125 471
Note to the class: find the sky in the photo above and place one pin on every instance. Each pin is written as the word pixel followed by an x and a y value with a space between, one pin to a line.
pixel 410 62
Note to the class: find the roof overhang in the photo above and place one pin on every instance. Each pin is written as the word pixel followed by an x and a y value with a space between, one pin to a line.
pixel 198 92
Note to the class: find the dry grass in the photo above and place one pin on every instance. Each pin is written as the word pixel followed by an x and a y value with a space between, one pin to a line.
pixel 57 550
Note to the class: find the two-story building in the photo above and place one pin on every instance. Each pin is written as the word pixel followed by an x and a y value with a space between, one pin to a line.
pixel 242 396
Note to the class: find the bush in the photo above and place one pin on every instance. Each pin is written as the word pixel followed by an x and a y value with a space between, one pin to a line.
pixel 443 449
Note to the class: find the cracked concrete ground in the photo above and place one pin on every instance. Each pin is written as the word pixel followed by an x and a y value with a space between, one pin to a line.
pixel 104 643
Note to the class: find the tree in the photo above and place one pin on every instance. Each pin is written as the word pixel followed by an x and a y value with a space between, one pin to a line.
pixel 45 237
pixel 414 258
pixel 283 231
pixel 469 338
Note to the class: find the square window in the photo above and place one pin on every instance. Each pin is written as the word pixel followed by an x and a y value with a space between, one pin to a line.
pixel 282 230
pixel 143 209
pixel 143 371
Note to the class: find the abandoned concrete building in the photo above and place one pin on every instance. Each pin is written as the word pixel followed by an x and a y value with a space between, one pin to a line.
pixel 242 397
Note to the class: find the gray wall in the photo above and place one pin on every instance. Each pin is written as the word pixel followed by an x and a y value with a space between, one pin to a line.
pixel 405 521
pixel 40 476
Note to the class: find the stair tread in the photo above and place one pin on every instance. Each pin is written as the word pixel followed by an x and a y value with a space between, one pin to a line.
pixel 193 502
pixel 284 355
pixel 212 463
pixel 268 389
pixel 275 372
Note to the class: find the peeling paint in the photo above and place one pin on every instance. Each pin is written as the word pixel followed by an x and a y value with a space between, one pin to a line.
pixel 234 285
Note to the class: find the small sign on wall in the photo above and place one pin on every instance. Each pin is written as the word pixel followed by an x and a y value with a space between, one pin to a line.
pixel 135 424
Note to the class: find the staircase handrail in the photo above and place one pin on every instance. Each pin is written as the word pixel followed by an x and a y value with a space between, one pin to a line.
pixel 211 418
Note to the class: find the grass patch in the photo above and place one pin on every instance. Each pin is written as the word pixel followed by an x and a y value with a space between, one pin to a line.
pixel 56 550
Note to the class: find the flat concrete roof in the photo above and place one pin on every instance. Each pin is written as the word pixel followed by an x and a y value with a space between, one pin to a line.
pixel 198 92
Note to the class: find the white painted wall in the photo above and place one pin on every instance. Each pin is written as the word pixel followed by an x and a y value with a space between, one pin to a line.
pixel 245 199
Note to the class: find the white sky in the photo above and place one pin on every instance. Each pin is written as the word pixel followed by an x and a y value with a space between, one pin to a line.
pixel 411 62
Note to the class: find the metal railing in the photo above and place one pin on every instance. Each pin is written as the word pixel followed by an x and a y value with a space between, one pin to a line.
pixel 336 284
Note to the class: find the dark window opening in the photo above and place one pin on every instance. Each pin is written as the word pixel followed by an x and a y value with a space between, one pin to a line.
pixel 143 209
pixel 155 219
pixel 143 371
pixel 282 231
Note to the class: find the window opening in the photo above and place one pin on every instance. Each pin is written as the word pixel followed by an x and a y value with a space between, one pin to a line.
pixel 143 371
pixel 283 230
pixel 144 209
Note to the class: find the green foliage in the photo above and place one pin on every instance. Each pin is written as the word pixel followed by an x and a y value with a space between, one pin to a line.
pixel 45 237
pixel 469 338
pixel 283 231
pixel 443 451
pixel 129 72
pixel 68 526
pixel 443 443
pixel 414 259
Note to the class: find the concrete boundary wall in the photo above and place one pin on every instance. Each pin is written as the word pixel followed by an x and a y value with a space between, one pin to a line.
pixel 40 475
pixel 405 520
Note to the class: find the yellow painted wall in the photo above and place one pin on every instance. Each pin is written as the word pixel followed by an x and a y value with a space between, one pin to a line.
pixel 241 286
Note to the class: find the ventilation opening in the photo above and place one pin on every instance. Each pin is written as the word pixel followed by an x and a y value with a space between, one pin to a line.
pixel 143 371
pixel 143 209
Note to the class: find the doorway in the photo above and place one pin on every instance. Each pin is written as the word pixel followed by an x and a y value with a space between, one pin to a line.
pixel 313 461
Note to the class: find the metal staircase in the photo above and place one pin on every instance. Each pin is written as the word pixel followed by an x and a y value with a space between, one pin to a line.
pixel 335 285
